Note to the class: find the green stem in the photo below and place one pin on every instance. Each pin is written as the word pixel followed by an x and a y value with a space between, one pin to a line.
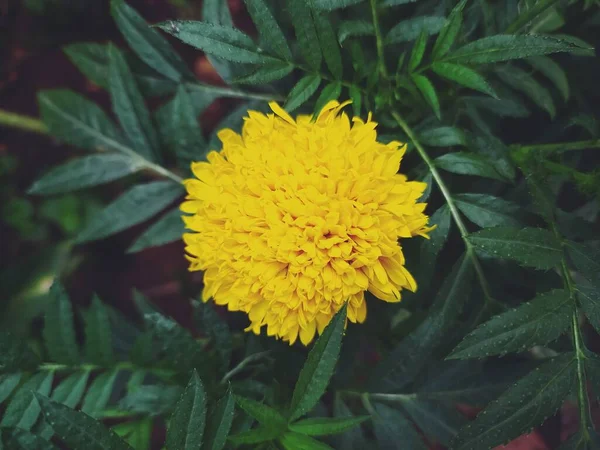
pixel 557 148
pixel 378 40
pixel 537 9
pixel 234 93
pixel 470 251
pixel 243 364
pixel 20 122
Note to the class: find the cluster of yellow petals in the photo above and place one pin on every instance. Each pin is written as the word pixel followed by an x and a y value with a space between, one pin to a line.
pixel 293 218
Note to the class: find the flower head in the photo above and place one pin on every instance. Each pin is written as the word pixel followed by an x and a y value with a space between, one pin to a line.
pixel 292 218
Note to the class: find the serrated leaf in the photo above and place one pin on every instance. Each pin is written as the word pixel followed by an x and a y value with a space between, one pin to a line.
pixel 418 50
pixel 265 415
pixel 216 11
pixel 530 247
pixel 296 441
pixel 302 91
pixel 268 28
pixel 586 261
pixel 392 427
pixel 151 400
pixel 219 40
pixel 405 361
pixel 23 411
pixel 17 439
pixel 85 172
pixel 59 329
pixel 99 393
pixel 502 107
pixel 180 130
pixel 322 426
pixel 329 5
pixel 266 73
pixel 148 44
pixel 169 228
pixel 428 92
pixel 138 433
pixel 318 368
pixel 218 423
pixel 464 76
pixel 98 335
pixel 134 206
pixel 553 72
pixel 523 406
pixel 255 436
pixel 128 105
pixel 488 211
pixel 430 249
pixel 464 163
pixel 217 329
pixel 504 47
pixel 449 32
pixel 410 29
pixel 538 322
pixel 306 32
pixel 523 82
pixel 388 3
pixel 15 353
pixel 496 151
pixel 328 43
pixel 79 122
pixel 442 137
pixel 437 420
pixel 330 92
pixel 589 297
pixel 186 427
pixel 354 28
pixel 353 438
pixel 8 383
pixel 77 429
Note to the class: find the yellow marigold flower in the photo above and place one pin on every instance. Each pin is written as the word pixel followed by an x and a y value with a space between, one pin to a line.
pixel 292 218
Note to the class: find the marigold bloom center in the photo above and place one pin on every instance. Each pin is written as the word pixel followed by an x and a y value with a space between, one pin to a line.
pixel 292 218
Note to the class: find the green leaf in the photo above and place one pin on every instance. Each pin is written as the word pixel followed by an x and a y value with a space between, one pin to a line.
pixel 219 40
pixel 521 81
pixel 98 334
pixel 147 43
pixel 218 330
pixel 15 353
pixel 404 362
pixel 79 122
pixel 392 427
pixel 255 436
pixel 330 92
pixel 449 32
pixel 306 32
pixel 523 406
pixel 504 47
pixel 180 130
pixel 129 107
pixel 138 434
pixel 23 411
pixel 388 3
pixel 77 429
pixel 589 297
pixel 437 420
pixel 538 322
pixel 296 441
pixel 430 249
pixel 418 50
pixel 135 206
pixel 329 5
pixel 216 11
pixel 553 72
pixel 328 43
pixel 186 427
pixel 99 393
pixel 151 400
pixel 8 383
pixel 428 91
pixel 268 28
pixel 530 247
pixel 59 329
pixel 218 423
pixel 322 426
pixel 85 172
pixel 579 441
pixel 354 28
pixel 263 414
pixel 464 163
pixel 356 97
pixel 442 137
pixel 318 368
pixel 488 211
pixel 266 73
pixel 302 91
pixel 410 29
pixel 17 439
pixel 586 261
pixel 464 76
pixel 169 228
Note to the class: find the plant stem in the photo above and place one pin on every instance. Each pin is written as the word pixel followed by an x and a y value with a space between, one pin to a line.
pixel 378 40
pixel 234 93
pixel 242 365
pixel 21 122
pixel 558 147
pixel 470 251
